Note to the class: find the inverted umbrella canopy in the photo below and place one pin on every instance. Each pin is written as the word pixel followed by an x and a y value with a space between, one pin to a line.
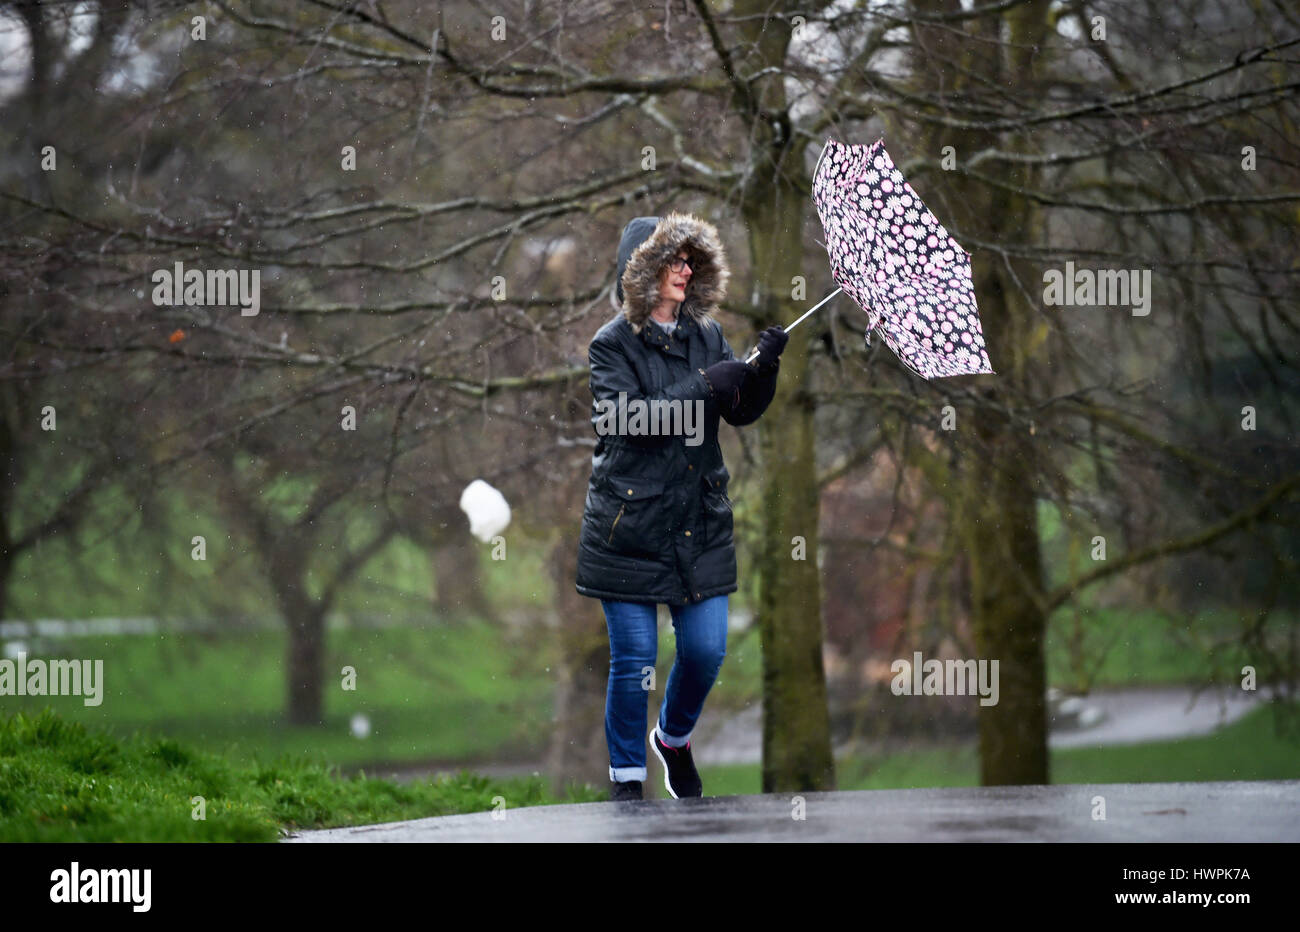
pixel 895 259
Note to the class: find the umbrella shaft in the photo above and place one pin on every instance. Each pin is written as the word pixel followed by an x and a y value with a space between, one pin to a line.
pixel 754 354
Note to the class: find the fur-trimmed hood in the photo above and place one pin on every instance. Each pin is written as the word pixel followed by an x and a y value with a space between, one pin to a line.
pixel 643 252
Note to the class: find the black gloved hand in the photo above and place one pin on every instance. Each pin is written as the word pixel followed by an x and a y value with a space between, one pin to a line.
pixel 724 379
pixel 771 343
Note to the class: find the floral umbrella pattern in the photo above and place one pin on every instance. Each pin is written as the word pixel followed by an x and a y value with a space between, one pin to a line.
pixel 896 260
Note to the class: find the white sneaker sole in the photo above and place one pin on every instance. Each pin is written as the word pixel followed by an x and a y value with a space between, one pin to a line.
pixel 654 747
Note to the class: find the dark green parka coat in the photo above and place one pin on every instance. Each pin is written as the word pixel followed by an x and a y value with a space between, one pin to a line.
pixel 657 524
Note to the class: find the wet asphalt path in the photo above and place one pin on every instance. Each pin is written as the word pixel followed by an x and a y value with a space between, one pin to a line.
pixel 1135 812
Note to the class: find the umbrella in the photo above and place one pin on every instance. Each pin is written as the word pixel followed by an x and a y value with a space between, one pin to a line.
pixel 895 259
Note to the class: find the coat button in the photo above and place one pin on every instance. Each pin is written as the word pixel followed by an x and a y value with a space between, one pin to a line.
pixel 691 466
pixel 688 533
pixel 629 491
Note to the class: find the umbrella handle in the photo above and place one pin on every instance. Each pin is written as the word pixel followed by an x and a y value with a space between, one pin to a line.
pixel 754 353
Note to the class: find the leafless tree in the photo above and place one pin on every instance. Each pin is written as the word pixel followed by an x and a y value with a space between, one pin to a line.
pixel 432 198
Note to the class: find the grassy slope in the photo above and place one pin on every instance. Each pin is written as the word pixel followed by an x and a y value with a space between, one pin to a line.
pixel 450 692
pixel 60 781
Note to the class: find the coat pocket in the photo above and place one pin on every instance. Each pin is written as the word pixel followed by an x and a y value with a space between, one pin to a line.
pixel 640 519
pixel 719 519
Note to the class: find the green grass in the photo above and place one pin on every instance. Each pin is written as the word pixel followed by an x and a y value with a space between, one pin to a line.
pixel 1090 644
pixel 449 692
pixel 456 691
pixel 61 781
pixel 446 689
pixel 1248 749
pixel 1113 647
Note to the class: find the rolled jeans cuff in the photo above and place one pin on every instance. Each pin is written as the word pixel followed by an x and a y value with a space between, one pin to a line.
pixel 624 774
pixel 674 742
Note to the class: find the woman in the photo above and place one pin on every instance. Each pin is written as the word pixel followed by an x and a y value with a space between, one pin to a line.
pixel 657 525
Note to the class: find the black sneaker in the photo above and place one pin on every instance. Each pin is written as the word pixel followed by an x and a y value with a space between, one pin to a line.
pixel 630 789
pixel 680 776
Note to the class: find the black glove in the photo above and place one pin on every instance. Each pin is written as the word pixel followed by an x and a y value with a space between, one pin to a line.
pixel 755 395
pixel 771 343
pixel 724 379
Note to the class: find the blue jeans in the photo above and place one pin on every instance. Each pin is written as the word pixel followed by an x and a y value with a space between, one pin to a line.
pixel 701 629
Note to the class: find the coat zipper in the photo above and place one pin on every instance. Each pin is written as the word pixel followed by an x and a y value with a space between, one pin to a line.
pixel 615 524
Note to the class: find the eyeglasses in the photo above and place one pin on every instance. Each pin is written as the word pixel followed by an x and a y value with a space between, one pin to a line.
pixel 677 262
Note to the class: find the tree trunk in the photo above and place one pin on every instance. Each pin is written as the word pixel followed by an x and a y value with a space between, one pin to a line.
pixel 458 587
pixel 796 721
pixel 577 750
pixel 1006 572
pixel 1006 565
pixel 6 566
pixel 305 629
pixel 8 486
pixel 305 666
pixel 995 509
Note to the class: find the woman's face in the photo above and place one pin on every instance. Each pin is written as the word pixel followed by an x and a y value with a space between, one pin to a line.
pixel 672 285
